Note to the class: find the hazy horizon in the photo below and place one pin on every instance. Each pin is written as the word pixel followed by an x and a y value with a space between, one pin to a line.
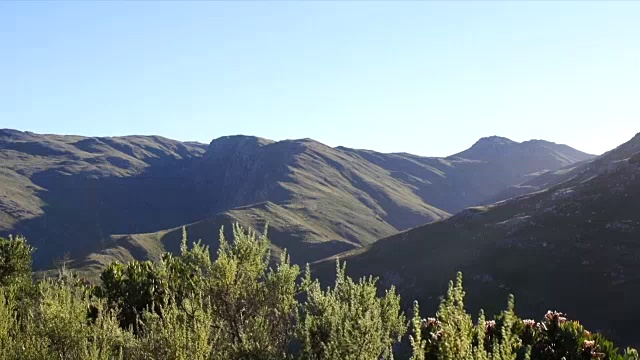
pixel 425 78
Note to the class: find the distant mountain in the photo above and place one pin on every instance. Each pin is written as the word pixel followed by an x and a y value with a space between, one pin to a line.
pixel 539 152
pixel 571 245
pixel 468 178
pixel 72 194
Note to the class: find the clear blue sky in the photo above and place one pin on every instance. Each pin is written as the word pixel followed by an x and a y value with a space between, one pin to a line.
pixel 422 77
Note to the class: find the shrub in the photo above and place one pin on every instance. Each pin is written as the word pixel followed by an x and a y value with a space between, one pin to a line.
pixel 253 303
pixel 15 260
pixel 349 321
pixel 7 324
pixel 174 334
pixel 452 335
pixel 58 326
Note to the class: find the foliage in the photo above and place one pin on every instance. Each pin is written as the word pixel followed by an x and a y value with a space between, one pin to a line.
pixel 243 306
pixel 15 260
pixel 253 303
pixel 174 334
pixel 557 337
pixel 349 321
pixel 455 326
pixel 452 335
pixel 418 345
pixel 7 323
pixel 132 289
pixel 57 325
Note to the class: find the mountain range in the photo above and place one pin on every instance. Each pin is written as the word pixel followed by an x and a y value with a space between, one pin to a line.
pixel 99 199
pixel 566 239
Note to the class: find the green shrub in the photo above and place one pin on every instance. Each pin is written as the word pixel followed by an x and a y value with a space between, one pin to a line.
pixel 59 327
pixel 254 304
pixel 174 334
pixel 451 335
pixel 349 321
pixel 15 260
pixel 132 289
pixel 557 337
pixel 7 324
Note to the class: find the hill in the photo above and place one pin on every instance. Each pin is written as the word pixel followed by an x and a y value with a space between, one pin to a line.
pixel 572 246
pixel 72 194
pixel 286 230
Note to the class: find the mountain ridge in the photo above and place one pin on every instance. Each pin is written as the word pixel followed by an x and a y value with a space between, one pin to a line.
pixel 73 193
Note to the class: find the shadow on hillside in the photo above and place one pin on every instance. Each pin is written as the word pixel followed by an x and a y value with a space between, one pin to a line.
pixel 83 210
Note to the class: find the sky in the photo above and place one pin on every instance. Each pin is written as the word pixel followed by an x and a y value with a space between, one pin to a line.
pixel 428 78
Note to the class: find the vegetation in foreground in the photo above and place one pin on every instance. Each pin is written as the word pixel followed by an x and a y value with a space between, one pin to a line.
pixel 239 306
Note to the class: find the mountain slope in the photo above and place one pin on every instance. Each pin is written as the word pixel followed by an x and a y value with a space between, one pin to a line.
pixel 313 180
pixel 72 194
pixel 67 193
pixel 470 177
pixel 286 230
pixel 573 247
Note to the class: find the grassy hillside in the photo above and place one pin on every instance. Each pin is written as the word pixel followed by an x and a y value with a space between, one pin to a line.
pixel 571 247
pixel 358 200
pixel 286 230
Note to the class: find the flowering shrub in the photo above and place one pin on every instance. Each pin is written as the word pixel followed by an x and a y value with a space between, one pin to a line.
pixel 451 335
pixel 556 337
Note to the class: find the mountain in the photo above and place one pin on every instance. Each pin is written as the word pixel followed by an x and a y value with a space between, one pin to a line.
pixel 66 193
pixel 571 245
pixel 470 177
pixel 106 198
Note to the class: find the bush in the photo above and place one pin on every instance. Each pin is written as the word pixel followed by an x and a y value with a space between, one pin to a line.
pixel 57 325
pixel 15 260
pixel 452 335
pixel 132 289
pixel 349 321
pixel 174 334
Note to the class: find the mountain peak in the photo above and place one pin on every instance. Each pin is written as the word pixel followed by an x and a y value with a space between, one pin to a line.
pixel 635 139
pixel 235 144
pixel 485 148
pixel 11 133
pixel 237 141
pixel 546 154
pixel 494 140
pixel 538 141
pixel 240 139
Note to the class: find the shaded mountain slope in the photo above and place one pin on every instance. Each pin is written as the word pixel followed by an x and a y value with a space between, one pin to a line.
pixel 67 193
pixel 572 247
